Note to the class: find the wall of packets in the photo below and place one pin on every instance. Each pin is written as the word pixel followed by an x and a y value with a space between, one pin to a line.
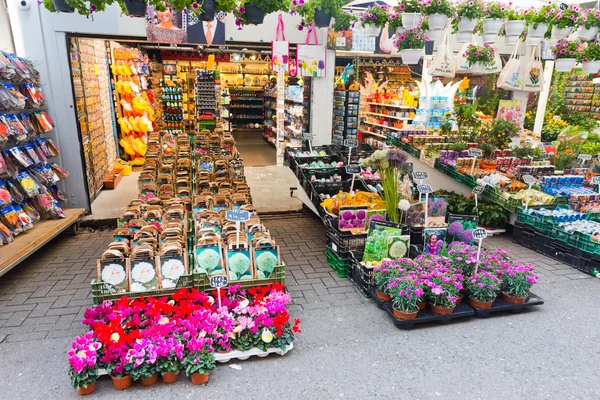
pixel 28 175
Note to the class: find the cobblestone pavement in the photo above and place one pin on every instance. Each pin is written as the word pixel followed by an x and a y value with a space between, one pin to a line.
pixel 345 335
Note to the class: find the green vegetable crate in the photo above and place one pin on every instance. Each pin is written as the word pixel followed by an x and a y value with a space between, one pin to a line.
pixel 339 266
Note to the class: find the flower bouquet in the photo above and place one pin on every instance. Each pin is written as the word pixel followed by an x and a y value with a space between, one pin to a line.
pixel 411 43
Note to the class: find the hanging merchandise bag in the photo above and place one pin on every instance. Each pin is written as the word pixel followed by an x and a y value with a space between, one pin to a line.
pixel 496 67
pixel 444 64
pixel 532 71
pixel 311 57
pixel 461 61
pixel 280 49
pixel 511 77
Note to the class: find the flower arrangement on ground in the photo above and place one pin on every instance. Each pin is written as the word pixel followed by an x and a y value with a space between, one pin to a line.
pixel 483 288
pixel 517 281
pixel 483 55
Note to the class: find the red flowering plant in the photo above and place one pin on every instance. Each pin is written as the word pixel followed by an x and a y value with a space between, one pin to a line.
pixel 83 360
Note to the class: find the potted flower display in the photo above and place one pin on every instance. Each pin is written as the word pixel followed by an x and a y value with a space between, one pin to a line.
pixel 405 297
pixel 143 355
pixel 116 364
pixel 170 353
pixel 395 22
pixel 411 13
pixel 483 288
pixel 411 43
pixel 496 135
pixel 566 53
pixel 442 292
pixel 318 11
pixel 468 13
pixel 374 19
pixel 538 20
pixel 515 24
pixel 199 364
pixel 58 6
pixel 566 21
pixel 254 11
pixel 479 57
pixel 517 281
pixel 590 58
pixel 438 12
pixel 83 367
pixel 383 274
pixel 590 24
pixel 495 15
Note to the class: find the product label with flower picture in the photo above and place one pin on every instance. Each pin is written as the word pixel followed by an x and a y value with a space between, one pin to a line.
pixel 436 211
pixel 266 258
pixel 311 57
pixel 209 259
pixel 171 269
pixel 353 219
pixel 113 273
pixel 398 246
pixel 435 241
pixel 460 228
pixel 142 274
pixel 376 246
pixel 239 265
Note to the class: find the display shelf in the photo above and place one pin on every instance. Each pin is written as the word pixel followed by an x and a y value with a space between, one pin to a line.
pixel 389 116
pixel 373 134
pixel 390 105
pixel 346 106
pixel 383 126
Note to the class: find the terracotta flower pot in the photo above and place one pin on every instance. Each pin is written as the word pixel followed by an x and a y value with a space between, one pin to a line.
pixel 150 381
pixel 441 311
pixel 122 383
pixel 383 296
pixel 87 390
pixel 480 304
pixel 421 305
pixel 487 164
pixel 459 299
pixel 513 300
pixel 170 377
pixel 402 315
pixel 199 379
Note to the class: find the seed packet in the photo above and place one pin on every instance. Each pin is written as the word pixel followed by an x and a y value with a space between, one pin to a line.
pixel 28 148
pixel 16 128
pixel 6 236
pixel 26 121
pixel 31 188
pixel 20 158
pixel 14 100
pixel 11 219
pixel 35 98
pixel 5 196
pixel 3 167
pixel 266 258
pixel 43 147
pixel 25 220
pixel 16 191
pixel 4 129
pixel 31 211
pixel 52 148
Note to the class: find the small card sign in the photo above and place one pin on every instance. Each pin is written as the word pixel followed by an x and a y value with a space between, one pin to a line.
pixel 237 215
pixel 584 157
pixel 528 179
pixel 351 143
pixel 218 281
pixel 353 169
pixel 596 180
pixel 424 189
pixel 475 152
pixel 307 136
pixel 478 189
pixel 479 233
pixel 420 175
pixel 563 6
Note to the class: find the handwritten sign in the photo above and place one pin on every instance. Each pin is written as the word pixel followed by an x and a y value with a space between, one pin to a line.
pixel 420 175
pixel 478 189
pixel 353 169
pixel 424 189
pixel 475 152
pixel 237 215
pixel 307 136
pixel 351 143
pixel 528 179
pixel 479 233
pixel 218 281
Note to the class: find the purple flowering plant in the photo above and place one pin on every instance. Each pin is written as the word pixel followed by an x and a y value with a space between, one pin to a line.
pixel 464 258
pixel 377 15
pixel 483 286
pixel 410 6
pixel 567 49
pixel 444 7
pixel 410 39
pixel 170 352
pixel 479 54
pixel 517 279
pixel 570 18
pixel 83 360
pixel 390 269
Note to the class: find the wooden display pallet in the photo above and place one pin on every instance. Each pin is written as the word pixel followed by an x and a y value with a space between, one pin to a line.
pixel 29 242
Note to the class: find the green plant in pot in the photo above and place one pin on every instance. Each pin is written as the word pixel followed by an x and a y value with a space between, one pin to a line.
pixel 405 296
pixel 496 135
pixel 254 11
pixel 517 281
pixel 343 21
pixel 491 216
pixel 319 12
pixel 198 365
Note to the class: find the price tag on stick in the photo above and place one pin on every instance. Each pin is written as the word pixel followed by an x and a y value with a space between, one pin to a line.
pixel 474 153
pixel 353 169
pixel 420 176
pixel 237 216
pixel 308 137
pixel 596 181
pixel 584 158
pixel 529 180
pixel 218 282
pixel 425 189
pixel 350 143
pixel 479 234
pixel 477 190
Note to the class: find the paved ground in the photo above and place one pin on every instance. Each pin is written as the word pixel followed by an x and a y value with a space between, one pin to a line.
pixel 348 348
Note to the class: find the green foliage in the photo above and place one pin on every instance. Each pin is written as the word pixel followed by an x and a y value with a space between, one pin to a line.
pixel 245 340
pixel 457 203
pixel 171 363
pixel 376 15
pixel 490 96
pixel 523 151
pixel 492 215
pixel 226 6
pixel 495 10
pixel 307 10
pixel 202 362
pixel 515 14
pixel 143 371
pixel 410 6
pixel 439 7
pixel 84 378
pixel 590 53
pixel 581 120
pixel 343 21
pixel 564 161
pixel 467 120
pixel 536 16
pixel 499 133
pixel 84 7
pixel 457 146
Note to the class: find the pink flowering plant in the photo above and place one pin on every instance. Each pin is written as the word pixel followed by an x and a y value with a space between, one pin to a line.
pixel 143 356
pixel 443 288
pixel 406 294
pixel 570 18
pixel 591 52
pixel 567 49
pixel 444 7
pixel 464 258
pixel 518 279
pixel 479 54
pixel 483 286
pixel 395 20
pixel 410 6
pixel 543 15
pixel 83 360
pixel 377 15
pixel 170 352
pixel 495 10
pixel 469 9
pixel 590 18
pixel 411 39
pixel 388 270
pixel 514 13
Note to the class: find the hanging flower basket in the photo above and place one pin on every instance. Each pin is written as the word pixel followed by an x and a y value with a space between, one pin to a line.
pixel 514 28
pixel 371 30
pixel 511 40
pixel 489 38
pixel 135 8
pixel 560 33
pixel 467 25
pixel 537 32
pixel 492 26
pixel 437 21
pixel 463 37
pixel 208 13
pixel 565 64
pixel 478 68
pixel 411 56
pixel 587 33
pixel 435 35
pixel 410 20
pixel 322 19
pixel 254 15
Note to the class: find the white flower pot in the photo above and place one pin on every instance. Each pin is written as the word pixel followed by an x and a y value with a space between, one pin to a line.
pixel 410 20
pixel 533 41
pixel 538 32
pixel 437 21
pixel 489 38
pixel 463 37
pixel 565 64
pixel 478 68
pixel 434 35
pixel 587 34
pixel 514 28
pixel 466 24
pixel 411 56
pixel 492 25
pixel 371 30
pixel 561 33
pixel 511 40
pixel 591 67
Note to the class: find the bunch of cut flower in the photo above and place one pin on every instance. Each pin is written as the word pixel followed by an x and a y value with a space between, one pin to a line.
pixel 136 339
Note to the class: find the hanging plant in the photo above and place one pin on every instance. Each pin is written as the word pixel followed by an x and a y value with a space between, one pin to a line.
pixel 410 39
pixel 479 54
pixel 442 7
pixel 88 8
pixel 395 21
pixel 308 8
pixel 343 21
pixel 567 49
pixel 266 6
pixel 468 12
pixel 543 15
pixel 570 18
pixel 376 15
pixel 495 10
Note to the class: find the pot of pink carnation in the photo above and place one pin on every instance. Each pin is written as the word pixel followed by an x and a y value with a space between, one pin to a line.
pixel 566 54
pixel 143 356
pixel 479 57
pixel 410 44
pixel 517 281
pixel 442 292
pixel 405 298
pixel 83 363
pixel 170 353
pixel 483 288
pixel 384 273
pixel 590 58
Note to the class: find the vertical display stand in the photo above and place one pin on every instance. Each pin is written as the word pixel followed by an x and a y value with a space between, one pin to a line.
pixel 280 118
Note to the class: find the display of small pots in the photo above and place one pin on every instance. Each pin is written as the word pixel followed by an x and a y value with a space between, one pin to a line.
pixel 513 300
pixel 492 25
pixel 590 67
pixel 199 379
pixel 150 381
pixel 410 20
pixel 62 6
pixel 537 32
pixel 170 377
pixel 411 56
pixel 489 38
pixel 122 383
pixel 402 315
pixel 135 8
pixel 561 33
pixel 514 28
pixel 322 19
pixel 511 40
pixel 463 37
pixel 466 25
pixel 89 389
pixel 565 64
pixel 480 304
pixel 371 30
pixel 383 296
pixel 422 305
pixel 254 15
pixel 440 310
pixel 208 13
pixel 587 34
pixel 437 21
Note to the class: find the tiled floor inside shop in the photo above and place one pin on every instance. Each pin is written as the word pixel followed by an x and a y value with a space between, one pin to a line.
pixel 348 348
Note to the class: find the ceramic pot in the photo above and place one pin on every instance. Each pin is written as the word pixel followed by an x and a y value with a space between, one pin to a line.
pixel 150 381
pixel 538 32
pixel 254 15
pixel 488 164
pixel 122 383
pixel 440 310
pixel 590 67
pixel 489 38
pixel 401 315
pixel 480 304
pixel 371 30
pixel 561 33
pixel 585 34
pixel 463 37
pixel 87 390
pixel 533 41
pixel 513 300
pixel 170 377
pixel 466 24
pixel 208 13
pixel 410 20
pixel 135 8
pixel 199 379
pixel 422 305
pixel 322 19
pixel 511 40
pixel 478 68
pixel 514 28
pixel 383 296
pixel 411 56
pixel 62 6
pixel 437 21
pixel 565 64
pixel 492 25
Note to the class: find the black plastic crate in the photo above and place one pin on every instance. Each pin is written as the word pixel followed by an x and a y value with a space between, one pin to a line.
pixel 588 263
pixel 342 243
pixel 332 191
pixel 528 237
pixel 500 305
pixel 561 251
pixel 362 276
pixel 416 235
pixel 363 150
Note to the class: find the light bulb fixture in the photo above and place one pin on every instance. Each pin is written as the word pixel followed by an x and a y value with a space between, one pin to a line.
pixel 253 57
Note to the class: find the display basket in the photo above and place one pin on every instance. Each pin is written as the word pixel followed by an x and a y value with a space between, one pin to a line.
pixel 339 266
pixel 342 243
pixel 277 276
pixel 362 276
pixel 528 237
